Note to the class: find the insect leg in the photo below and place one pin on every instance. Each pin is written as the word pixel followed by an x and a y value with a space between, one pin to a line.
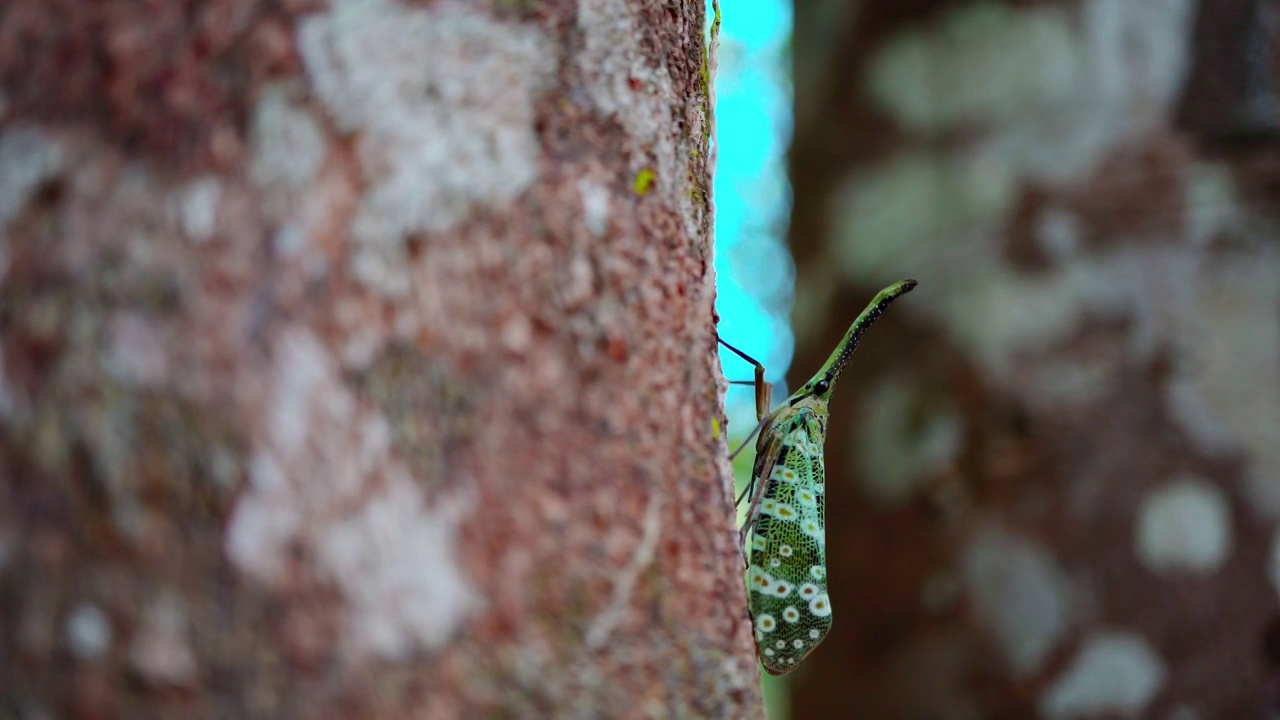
pixel 764 390
pixel 761 479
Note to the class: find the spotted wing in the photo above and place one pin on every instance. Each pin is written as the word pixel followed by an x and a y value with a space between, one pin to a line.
pixel 787 575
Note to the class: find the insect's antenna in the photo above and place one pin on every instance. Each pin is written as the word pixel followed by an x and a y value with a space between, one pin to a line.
pixel 738 352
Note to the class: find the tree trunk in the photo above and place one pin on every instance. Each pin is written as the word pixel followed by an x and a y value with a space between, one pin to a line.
pixel 358 360
pixel 1061 465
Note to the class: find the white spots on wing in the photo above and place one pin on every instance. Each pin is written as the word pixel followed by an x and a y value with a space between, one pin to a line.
pixel 808 591
pixel 780 644
pixel 780 510
pixel 806 497
pixel 798 440
pixel 814 634
pixel 785 550
pixel 1115 673
pixel 791 614
pixel 1184 526
pixel 765 623
pixel 781 588
pixel 774 562
pixel 760 581
pixel 785 474
pixel 769 652
pixel 820 606
pixel 759 542
pixel 820 487
pixel 797 644
pixel 817 572
pixel 813 529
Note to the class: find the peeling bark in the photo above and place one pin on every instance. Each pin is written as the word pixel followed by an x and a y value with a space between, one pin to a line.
pixel 347 370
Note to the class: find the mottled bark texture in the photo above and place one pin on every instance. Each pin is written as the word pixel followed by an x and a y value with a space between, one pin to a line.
pixel 358 361
pixel 1054 469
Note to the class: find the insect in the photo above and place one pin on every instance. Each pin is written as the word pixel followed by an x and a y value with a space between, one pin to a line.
pixel 787 569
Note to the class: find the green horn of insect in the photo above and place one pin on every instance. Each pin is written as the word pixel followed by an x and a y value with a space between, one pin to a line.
pixel 840 356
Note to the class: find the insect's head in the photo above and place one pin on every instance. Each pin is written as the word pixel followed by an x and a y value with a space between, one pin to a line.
pixel 819 388
pixel 821 385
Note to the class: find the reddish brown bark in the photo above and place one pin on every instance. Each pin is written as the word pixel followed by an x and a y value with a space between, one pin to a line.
pixel 348 371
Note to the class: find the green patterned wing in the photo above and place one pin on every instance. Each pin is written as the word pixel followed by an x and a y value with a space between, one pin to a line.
pixel 787 576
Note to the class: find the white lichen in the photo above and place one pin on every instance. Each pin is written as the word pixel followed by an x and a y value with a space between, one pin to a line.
pixel 197 207
pixel 634 89
pixel 1185 526
pixel 88 632
pixel 1055 92
pixel 161 650
pixel 1059 233
pixel 396 564
pixel 1115 673
pixel 982 63
pixel 29 157
pixel 1100 74
pixel 595 206
pixel 136 353
pixel 288 144
pixel 324 476
pixel 896 450
pixel 442 101
pixel 1019 592
pixel 1223 393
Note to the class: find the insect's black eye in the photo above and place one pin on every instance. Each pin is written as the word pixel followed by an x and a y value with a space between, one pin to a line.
pixel 821 386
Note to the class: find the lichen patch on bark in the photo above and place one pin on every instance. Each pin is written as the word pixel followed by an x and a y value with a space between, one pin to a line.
pixel 630 87
pixel 324 480
pixel 441 100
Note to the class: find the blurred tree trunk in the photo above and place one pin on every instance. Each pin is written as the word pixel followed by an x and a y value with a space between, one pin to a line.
pixel 358 360
pixel 1061 453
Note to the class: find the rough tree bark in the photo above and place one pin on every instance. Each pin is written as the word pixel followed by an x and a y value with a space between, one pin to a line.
pixel 357 360
pixel 1062 467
